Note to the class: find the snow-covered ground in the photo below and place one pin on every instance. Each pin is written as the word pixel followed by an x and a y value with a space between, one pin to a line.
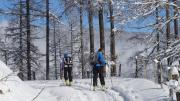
pixel 13 89
pixel 118 89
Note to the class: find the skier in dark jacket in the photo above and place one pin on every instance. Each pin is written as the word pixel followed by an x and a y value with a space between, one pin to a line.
pixel 68 69
pixel 99 68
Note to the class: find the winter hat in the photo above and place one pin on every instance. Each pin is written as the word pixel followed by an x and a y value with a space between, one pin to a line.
pixel 175 71
pixel 100 49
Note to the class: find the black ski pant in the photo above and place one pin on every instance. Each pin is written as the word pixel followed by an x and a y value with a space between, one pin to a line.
pixel 98 71
pixel 68 73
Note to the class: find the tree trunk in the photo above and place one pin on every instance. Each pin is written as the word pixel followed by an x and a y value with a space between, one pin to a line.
pixel 112 38
pixel 61 72
pixel 34 75
pixel 168 24
pixel 168 27
pixel 47 39
pixel 71 40
pixel 55 51
pixel 82 46
pixel 91 29
pixel 119 70
pixel 175 20
pixel 20 41
pixel 157 39
pixel 28 39
pixel 101 27
pixel 5 56
pixel 157 29
pixel 136 72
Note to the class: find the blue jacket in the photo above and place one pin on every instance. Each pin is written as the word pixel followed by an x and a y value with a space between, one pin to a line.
pixel 101 60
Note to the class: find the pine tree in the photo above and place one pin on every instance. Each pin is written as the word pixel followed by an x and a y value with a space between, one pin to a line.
pixel 16 34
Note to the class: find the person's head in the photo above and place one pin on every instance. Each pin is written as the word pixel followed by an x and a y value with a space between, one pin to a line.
pixel 100 50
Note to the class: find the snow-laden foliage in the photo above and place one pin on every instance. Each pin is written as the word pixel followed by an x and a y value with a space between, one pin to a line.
pixel 128 10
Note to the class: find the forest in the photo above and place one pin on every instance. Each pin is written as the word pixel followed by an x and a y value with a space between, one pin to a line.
pixel 36 33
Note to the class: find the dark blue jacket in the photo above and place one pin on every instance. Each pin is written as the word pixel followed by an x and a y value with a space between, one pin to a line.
pixel 101 60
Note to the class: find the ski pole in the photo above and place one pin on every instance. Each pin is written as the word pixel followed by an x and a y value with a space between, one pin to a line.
pixel 111 81
pixel 91 78
pixel 110 74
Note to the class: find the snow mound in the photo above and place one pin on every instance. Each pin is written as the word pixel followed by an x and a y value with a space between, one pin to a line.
pixel 4 70
pixel 13 89
pixel 128 93
pixel 148 90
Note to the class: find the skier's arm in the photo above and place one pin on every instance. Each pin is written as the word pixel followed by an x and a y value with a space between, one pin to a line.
pixel 99 58
pixel 65 62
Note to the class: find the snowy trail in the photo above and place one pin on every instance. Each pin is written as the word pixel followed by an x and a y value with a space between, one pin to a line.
pixel 78 92
pixel 108 95
pixel 123 90
pixel 98 95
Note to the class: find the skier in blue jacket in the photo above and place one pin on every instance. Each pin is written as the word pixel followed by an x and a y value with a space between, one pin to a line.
pixel 99 69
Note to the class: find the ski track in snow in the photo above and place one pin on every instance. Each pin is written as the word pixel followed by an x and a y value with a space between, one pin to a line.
pixel 109 94
pixel 78 92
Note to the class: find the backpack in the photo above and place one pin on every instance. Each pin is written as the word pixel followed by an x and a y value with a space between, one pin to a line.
pixel 93 59
pixel 68 62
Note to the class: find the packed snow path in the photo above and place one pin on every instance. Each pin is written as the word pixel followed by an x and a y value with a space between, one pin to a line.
pixel 77 92
pixel 122 90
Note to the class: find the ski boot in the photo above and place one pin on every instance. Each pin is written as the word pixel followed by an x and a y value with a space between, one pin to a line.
pixel 94 88
pixel 103 87
pixel 70 83
pixel 66 82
